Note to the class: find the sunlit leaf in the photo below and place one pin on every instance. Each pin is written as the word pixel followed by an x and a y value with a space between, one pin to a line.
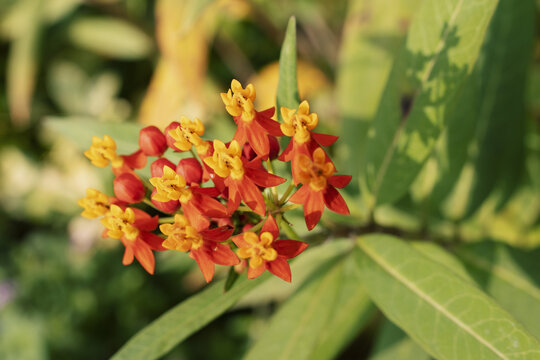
pixel 178 323
pixel 301 319
pixel 392 344
pixel 447 315
pixel 442 45
pixel 351 313
pixel 287 92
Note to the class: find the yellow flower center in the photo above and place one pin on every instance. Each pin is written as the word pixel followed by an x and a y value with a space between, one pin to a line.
pixel 95 204
pixel 189 134
pixel 119 223
pixel 298 124
pixel 170 186
pixel 316 172
pixel 259 249
pixel 181 235
pixel 239 101
pixel 103 151
pixel 226 161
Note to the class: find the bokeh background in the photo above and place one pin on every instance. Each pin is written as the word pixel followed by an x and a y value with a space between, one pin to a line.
pixel 124 64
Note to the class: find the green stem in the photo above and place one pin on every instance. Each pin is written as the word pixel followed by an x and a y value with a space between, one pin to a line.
pixel 258 226
pixel 285 196
pixel 290 207
pixel 167 219
pixel 273 189
pixel 286 227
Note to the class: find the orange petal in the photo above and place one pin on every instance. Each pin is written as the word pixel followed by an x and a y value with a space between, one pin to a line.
pixel 205 263
pixel 271 227
pixel 280 268
pixel 289 248
pixel 334 201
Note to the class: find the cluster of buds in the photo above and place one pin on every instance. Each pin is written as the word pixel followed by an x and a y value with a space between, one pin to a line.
pixel 221 205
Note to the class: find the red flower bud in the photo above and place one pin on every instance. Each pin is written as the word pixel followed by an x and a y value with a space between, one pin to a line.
pixel 152 141
pixel 170 139
pixel 274 147
pixel 248 152
pixel 168 207
pixel 156 168
pixel 128 188
pixel 191 170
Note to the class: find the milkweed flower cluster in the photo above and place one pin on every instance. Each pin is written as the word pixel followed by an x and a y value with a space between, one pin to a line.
pixel 220 205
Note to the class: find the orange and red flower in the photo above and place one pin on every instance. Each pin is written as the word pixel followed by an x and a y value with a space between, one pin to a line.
pixel 266 252
pixel 133 227
pixel 253 126
pixel 319 187
pixel 204 245
pixel 241 177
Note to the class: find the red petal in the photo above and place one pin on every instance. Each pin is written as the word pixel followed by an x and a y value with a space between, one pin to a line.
pixel 301 195
pixel 143 221
pixel 128 255
pixel 156 168
pixel 258 139
pixel 234 198
pixel 263 178
pixel 145 256
pixel 205 263
pixel 223 255
pixel 252 196
pixel 280 268
pixel 271 227
pixel 240 134
pixel 137 160
pixel 286 154
pixel 334 201
pixel 217 234
pixel 324 139
pixel 210 191
pixel 339 181
pixel 271 126
pixel 195 217
pixel 209 206
pixel 313 208
pixel 268 113
pixel 239 241
pixel 289 248
pixel 153 240
pixel 253 273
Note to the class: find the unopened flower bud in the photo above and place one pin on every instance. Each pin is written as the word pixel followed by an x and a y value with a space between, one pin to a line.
pixel 128 188
pixel 170 139
pixel 274 147
pixel 167 206
pixel 156 168
pixel 152 141
pixel 191 170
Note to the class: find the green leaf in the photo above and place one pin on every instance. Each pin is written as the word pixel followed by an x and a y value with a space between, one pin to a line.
pixel 511 276
pixel 443 257
pixel 287 92
pixel 351 313
pixel 449 317
pixel 110 37
pixel 184 319
pixel 392 343
pixel 293 330
pixel 372 37
pixel 442 45
pixel 503 89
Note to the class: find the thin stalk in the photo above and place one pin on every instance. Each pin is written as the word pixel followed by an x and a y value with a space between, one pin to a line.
pixel 289 190
pixel 273 189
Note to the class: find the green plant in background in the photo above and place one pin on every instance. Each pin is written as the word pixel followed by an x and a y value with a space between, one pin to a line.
pixel 436 105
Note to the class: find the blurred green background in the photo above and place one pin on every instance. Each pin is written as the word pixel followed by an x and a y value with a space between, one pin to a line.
pixel 72 69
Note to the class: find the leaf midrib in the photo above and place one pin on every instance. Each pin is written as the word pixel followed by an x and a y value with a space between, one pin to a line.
pixel 429 300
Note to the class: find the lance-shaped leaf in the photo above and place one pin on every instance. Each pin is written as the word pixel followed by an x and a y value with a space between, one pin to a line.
pixel 447 315
pixel 178 323
pixel 351 313
pixel 373 34
pixel 292 332
pixel 287 92
pixel 442 45
pixel 511 276
pixel 392 343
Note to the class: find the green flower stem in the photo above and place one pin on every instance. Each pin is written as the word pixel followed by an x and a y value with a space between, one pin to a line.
pixel 273 189
pixel 286 227
pixel 168 219
pixel 289 207
pixel 285 196
pixel 258 226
